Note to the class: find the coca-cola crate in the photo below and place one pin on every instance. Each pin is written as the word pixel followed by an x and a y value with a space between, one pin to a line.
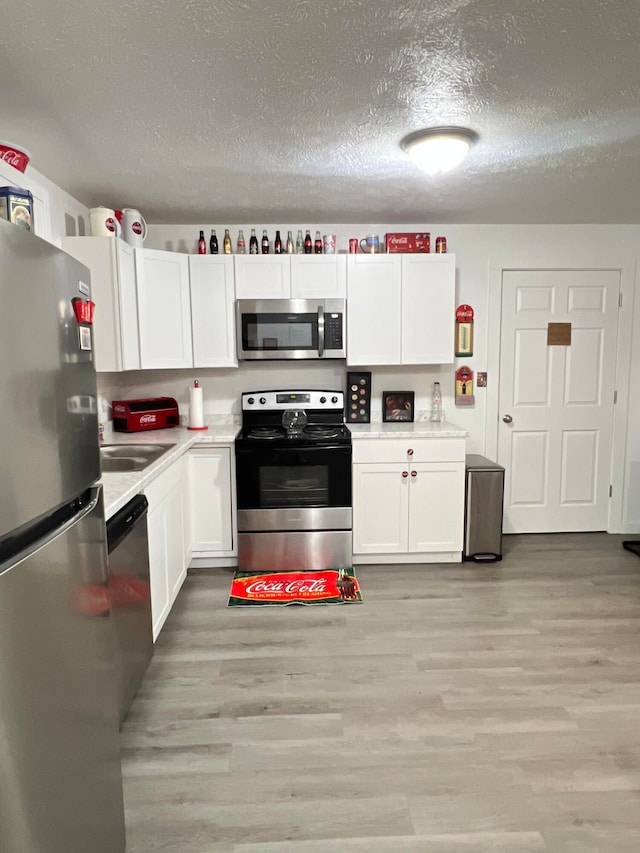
pixel 405 241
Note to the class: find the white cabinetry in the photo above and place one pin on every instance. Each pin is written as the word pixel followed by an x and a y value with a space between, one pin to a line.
pixel 401 309
pixel 169 539
pixel 212 491
pixel 212 311
pixel 408 500
pixel 164 309
pixel 113 289
pixel 291 276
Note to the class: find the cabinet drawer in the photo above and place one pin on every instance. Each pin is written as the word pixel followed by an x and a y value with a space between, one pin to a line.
pixel 396 450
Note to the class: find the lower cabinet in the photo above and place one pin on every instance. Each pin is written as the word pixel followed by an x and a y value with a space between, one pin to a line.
pixel 409 505
pixel 212 490
pixel 169 539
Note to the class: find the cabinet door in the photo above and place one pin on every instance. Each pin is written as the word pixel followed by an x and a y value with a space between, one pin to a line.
pixel 176 536
pixel 157 530
pixel 263 276
pixel 428 308
pixel 436 506
pixel 318 276
pixel 113 289
pixel 380 509
pixel 212 311
pixel 211 500
pixel 373 315
pixel 164 309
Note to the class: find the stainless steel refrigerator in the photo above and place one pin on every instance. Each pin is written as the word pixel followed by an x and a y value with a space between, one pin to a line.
pixel 60 776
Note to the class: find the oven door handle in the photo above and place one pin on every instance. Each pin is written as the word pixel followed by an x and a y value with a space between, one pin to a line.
pixel 320 331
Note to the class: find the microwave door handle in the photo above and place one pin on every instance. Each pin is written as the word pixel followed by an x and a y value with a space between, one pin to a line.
pixel 320 331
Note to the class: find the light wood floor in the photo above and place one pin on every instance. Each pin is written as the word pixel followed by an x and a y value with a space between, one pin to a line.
pixel 460 709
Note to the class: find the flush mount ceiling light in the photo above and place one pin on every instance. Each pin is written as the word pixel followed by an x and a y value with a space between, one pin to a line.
pixel 439 149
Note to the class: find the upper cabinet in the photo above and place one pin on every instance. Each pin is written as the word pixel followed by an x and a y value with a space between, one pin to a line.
pixel 164 309
pixel 291 276
pixel 212 313
pixel 401 309
pixel 113 289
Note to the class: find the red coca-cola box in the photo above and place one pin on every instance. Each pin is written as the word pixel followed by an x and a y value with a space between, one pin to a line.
pixel 405 241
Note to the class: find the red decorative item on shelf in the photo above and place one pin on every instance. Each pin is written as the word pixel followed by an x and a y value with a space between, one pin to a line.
pixel 14 156
pixel 404 241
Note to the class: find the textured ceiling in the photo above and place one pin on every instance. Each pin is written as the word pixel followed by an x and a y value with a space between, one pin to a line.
pixel 292 110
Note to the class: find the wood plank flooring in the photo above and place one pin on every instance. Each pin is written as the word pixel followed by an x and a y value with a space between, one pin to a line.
pixel 460 709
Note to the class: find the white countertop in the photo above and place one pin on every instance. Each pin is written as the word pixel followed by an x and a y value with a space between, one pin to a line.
pixel 121 487
pixel 416 429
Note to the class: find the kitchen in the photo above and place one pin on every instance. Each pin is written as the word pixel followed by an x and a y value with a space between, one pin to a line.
pixel 482 250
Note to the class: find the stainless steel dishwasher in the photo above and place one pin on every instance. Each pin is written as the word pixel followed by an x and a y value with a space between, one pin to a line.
pixel 130 593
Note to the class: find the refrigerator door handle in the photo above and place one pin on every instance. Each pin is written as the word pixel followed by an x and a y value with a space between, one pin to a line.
pixel 93 495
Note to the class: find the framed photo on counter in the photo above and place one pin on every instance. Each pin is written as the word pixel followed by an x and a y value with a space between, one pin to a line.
pixel 397 405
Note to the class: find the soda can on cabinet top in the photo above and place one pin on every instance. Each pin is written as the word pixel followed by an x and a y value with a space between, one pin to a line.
pixel 353 245
pixel 16 205
pixel 441 245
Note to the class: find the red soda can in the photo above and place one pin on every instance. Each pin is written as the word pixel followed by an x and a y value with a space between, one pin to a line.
pixel 441 245
pixel 353 245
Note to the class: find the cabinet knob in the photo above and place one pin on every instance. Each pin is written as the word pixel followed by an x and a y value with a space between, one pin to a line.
pixel 409 452
pixel 405 474
pixel 414 473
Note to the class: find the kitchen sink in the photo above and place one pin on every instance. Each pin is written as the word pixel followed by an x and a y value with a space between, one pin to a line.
pixel 119 458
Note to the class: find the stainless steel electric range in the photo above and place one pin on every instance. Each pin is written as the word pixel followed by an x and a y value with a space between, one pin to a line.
pixel 293 473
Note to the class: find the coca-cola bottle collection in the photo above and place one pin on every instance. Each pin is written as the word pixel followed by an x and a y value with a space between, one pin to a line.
pixel 301 246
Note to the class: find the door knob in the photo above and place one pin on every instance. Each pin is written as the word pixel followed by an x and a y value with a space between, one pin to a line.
pixel 507 419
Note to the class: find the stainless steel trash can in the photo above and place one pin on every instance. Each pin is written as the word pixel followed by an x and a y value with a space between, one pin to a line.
pixel 484 490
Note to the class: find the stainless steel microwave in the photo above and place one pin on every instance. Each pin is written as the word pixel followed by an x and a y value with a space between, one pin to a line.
pixel 291 328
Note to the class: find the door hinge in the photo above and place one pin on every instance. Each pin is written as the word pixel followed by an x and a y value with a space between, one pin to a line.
pixel 610 491
pixel 620 301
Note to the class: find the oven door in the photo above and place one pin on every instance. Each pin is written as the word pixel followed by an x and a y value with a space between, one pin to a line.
pixel 284 478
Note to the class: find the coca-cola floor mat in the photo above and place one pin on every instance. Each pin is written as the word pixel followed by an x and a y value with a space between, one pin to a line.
pixel 330 586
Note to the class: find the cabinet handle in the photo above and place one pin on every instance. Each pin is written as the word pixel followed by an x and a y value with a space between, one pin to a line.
pixel 409 452
pixel 405 474
pixel 414 473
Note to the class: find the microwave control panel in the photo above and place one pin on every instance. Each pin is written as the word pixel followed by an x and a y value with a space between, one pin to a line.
pixel 333 331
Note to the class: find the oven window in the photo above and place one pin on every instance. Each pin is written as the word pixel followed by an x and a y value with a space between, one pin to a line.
pixel 279 332
pixel 286 486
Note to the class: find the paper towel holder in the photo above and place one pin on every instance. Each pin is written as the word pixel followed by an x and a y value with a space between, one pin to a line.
pixel 193 391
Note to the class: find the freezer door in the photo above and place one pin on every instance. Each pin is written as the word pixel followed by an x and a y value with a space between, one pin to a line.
pixel 49 425
pixel 60 776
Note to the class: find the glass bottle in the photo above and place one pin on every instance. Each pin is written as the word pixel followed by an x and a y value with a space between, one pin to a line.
pixel 265 242
pixel 226 243
pixel 289 243
pixel 436 404
pixel 307 243
pixel 299 243
pixel 253 243
pixel 213 242
pixel 202 245
pixel 277 244
pixel 241 246
pixel 317 246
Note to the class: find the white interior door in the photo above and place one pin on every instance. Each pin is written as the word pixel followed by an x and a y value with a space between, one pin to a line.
pixel 556 401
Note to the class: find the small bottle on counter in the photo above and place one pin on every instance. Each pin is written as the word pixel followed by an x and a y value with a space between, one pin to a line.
pixel 289 243
pixel 241 246
pixel 213 242
pixel 317 246
pixel 202 245
pixel 253 243
pixel 226 243
pixel 436 404
pixel 265 242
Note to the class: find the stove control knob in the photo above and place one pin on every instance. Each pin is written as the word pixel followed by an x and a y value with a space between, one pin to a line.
pixel 323 399
pixel 251 401
pixel 262 401
pixel 334 399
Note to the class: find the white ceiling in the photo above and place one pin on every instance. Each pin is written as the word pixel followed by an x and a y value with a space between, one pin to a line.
pixel 292 110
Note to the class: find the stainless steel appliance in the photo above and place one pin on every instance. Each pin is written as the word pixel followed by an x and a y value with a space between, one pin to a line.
pixel 130 593
pixel 293 474
pixel 291 328
pixel 60 777
pixel 484 489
